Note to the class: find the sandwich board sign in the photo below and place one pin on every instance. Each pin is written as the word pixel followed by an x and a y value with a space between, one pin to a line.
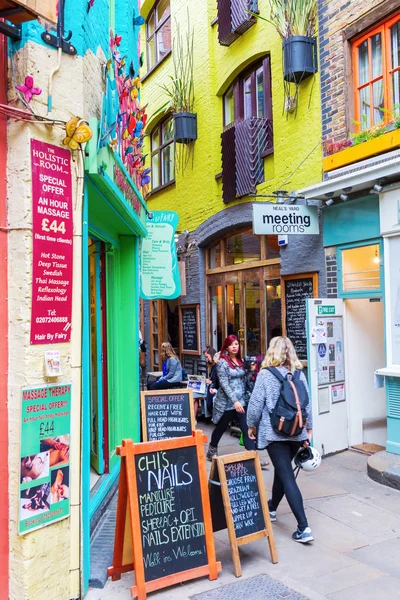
pixel 239 503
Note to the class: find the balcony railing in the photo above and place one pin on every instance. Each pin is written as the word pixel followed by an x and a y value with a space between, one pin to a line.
pixel 234 19
pixel 244 147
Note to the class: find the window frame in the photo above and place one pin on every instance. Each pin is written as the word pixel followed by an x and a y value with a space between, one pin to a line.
pixel 162 145
pixel 238 92
pixel 157 26
pixel 384 29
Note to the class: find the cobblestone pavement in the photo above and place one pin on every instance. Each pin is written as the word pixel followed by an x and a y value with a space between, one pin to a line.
pixel 356 526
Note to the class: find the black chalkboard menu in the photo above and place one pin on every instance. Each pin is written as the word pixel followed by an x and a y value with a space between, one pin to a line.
pixel 166 414
pixel 189 331
pixel 296 291
pixel 172 523
pixel 238 502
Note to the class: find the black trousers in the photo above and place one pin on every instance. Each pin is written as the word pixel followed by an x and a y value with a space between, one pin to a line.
pixel 223 424
pixel 282 454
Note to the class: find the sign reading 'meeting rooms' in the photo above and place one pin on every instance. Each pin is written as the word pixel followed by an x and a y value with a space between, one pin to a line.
pixel 283 219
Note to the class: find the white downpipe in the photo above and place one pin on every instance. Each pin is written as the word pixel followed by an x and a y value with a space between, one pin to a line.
pixel 51 75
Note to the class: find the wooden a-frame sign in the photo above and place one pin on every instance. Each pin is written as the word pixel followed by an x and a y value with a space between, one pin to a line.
pixel 128 545
pixel 222 508
pixel 187 411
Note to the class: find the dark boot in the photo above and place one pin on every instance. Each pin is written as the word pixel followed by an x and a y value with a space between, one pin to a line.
pixel 212 451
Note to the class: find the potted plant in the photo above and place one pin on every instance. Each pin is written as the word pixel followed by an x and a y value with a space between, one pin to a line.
pixel 180 90
pixel 296 22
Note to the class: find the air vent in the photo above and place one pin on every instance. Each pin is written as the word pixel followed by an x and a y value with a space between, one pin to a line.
pixel 393 388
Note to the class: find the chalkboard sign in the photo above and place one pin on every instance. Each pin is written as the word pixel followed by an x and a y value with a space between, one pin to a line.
pixel 163 527
pixel 167 414
pixel 189 331
pixel 238 502
pixel 297 289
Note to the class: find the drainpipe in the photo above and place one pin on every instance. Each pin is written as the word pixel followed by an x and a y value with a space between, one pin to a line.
pixel 60 37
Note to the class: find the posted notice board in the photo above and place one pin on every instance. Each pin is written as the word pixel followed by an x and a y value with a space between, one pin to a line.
pixel 44 466
pixel 296 290
pixel 189 328
pixel 163 527
pixel 167 414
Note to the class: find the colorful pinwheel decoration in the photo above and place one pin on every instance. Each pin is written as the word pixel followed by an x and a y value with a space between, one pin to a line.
pixel 28 89
pixel 78 132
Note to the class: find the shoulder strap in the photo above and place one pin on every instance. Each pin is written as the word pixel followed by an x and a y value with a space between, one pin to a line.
pixel 277 373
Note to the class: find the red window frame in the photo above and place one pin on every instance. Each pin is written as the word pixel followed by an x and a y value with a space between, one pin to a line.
pixel 386 77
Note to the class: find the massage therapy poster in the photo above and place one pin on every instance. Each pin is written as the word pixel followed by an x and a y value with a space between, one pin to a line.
pixel 44 481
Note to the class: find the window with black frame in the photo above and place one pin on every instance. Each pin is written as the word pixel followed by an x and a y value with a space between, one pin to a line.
pixel 158 33
pixel 162 154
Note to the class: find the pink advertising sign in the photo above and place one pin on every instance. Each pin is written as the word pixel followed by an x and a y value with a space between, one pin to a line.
pixel 52 244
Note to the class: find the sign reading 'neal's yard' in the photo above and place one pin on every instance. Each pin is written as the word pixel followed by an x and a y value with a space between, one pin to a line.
pixel 284 219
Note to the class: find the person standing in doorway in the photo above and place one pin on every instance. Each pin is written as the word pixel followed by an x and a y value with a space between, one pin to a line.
pixel 230 400
pixel 172 370
pixel 212 379
pixel 281 449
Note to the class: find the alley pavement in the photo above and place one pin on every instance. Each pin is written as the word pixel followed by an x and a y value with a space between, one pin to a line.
pixel 356 526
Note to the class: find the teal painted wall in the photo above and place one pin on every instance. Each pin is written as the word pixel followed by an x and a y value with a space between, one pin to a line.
pixel 351 222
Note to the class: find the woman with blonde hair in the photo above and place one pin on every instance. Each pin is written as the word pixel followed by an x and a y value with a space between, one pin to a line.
pixel 171 367
pixel 281 364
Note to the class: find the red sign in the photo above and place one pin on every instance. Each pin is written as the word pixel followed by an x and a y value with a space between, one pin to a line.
pixel 52 244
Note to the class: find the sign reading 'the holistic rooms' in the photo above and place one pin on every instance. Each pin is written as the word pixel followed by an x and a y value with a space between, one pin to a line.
pixel 283 219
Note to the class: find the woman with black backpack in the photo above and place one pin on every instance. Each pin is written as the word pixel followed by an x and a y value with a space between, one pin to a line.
pixel 279 412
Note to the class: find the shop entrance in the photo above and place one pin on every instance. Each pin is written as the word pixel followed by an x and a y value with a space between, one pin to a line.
pixel 244 291
pixel 164 327
pixel 364 340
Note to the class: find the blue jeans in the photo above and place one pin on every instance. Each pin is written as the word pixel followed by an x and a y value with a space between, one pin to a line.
pixel 223 423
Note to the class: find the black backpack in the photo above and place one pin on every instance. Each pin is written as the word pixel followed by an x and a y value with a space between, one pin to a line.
pixel 289 415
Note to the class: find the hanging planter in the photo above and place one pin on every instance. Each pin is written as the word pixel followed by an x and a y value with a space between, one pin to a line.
pixel 185 127
pixel 299 58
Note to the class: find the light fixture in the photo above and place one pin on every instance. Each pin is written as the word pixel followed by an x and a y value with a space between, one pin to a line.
pixel 330 200
pixel 292 197
pixel 344 197
pixel 376 258
pixel 376 189
pixel 280 196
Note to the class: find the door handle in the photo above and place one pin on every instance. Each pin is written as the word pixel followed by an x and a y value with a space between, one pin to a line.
pixel 241 335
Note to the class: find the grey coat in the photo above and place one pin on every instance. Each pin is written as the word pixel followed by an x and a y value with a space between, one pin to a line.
pixel 232 388
pixel 262 402
pixel 174 371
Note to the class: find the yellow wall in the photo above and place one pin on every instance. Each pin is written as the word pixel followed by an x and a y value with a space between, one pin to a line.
pixel 197 194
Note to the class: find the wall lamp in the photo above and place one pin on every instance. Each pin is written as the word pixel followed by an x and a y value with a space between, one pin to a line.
pixel 376 189
pixel 280 196
pixel 344 196
pixel 330 199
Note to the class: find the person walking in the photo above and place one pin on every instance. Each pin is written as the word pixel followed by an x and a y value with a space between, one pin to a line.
pixel 212 379
pixel 281 448
pixel 230 400
pixel 172 370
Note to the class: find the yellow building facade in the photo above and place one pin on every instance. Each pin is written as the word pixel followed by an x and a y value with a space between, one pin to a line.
pixel 197 194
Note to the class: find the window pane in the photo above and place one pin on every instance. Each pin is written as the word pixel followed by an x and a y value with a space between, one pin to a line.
pixel 215 256
pixel 247 98
pixel 242 248
pixel 396 93
pixel 274 309
pixel 273 250
pixel 361 268
pixel 216 316
pixel 365 108
pixel 378 96
pixel 376 51
pixel 253 318
pixel 155 138
pixel 163 10
pixel 260 92
pixel 395 43
pixel 167 131
pixel 155 171
pixel 151 53
pixel 150 25
pixel 363 63
pixel 229 107
pixel 233 309
pixel 168 163
pixel 163 40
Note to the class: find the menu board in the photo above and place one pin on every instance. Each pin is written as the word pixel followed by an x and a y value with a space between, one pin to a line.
pixel 190 329
pixel 171 513
pixel 244 499
pixel 297 290
pixel 167 414
pixel 330 355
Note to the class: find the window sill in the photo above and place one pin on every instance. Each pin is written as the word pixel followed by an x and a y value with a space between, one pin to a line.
pixel 160 188
pixel 218 176
pixel 151 71
pixel 214 21
pixel 267 152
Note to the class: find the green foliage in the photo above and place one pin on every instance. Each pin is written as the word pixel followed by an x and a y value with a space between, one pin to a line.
pixel 293 17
